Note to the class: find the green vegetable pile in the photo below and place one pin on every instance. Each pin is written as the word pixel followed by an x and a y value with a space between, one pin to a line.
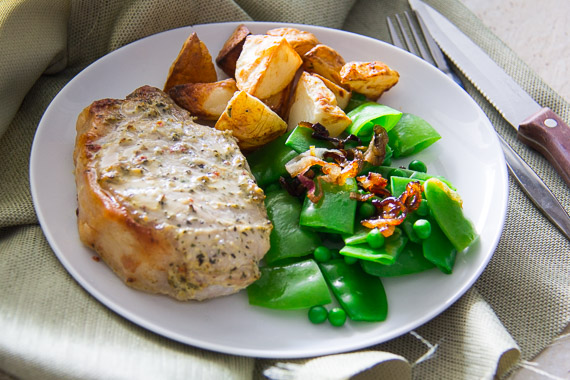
pixel 344 218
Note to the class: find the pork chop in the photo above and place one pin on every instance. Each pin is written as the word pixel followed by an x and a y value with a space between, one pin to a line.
pixel 170 205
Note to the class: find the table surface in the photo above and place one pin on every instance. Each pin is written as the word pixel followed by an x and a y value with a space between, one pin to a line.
pixel 539 33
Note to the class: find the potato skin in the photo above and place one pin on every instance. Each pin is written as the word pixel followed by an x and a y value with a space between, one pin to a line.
pixel 192 65
pixel 229 54
pixel 204 100
pixel 266 65
pixel 371 79
pixel 252 123
pixel 325 61
pixel 341 94
pixel 300 40
pixel 315 103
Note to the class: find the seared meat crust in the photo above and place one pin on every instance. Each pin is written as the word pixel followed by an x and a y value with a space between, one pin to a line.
pixel 168 204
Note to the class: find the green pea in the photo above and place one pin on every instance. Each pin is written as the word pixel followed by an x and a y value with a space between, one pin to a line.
pixel 375 239
pixel 423 209
pixel 418 166
pixel 322 254
pixel 318 314
pixel 366 210
pixel 422 228
pixel 337 316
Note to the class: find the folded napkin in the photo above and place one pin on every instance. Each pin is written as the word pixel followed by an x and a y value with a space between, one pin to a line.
pixel 52 329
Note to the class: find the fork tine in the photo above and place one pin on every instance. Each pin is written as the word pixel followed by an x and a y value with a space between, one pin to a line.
pixel 432 46
pixel 394 34
pixel 409 43
pixel 423 52
pixel 434 56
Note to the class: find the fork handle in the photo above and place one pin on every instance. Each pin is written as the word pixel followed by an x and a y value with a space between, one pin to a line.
pixel 546 132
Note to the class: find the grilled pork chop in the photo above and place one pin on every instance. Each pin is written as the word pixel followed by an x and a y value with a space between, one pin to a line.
pixel 168 204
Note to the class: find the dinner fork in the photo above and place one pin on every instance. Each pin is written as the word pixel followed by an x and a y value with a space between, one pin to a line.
pixel 406 24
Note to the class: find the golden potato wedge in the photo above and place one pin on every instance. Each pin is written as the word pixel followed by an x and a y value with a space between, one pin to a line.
pixel 315 103
pixel 266 65
pixel 252 122
pixel 300 40
pixel 192 65
pixel 279 103
pixel 228 55
pixel 342 95
pixel 325 61
pixel 369 78
pixel 204 100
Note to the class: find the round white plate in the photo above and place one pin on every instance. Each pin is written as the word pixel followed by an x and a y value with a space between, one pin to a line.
pixel 468 155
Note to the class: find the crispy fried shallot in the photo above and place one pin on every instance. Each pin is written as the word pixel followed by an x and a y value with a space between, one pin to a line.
pixel 392 211
pixel 337 172
pixel 321 133
pixel 374 183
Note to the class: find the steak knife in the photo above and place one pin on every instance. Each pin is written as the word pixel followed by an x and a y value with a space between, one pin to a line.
pixel 539 128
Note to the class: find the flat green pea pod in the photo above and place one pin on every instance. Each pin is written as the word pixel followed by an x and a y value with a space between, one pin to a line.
pixel 446 207
pixel 367 115
pixel 410 260
pixel 288 239
pixel 268 163
pixel 411 135
pixel 386 254
pixel 361 295
pixel 438 249
pixel 296 286
pixel 300 140
pixel 334 212
pixel 398 184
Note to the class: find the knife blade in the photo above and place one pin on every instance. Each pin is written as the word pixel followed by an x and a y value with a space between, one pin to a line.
pixel 537 127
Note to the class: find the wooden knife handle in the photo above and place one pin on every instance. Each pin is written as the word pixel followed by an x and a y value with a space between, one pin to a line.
pixel 546 132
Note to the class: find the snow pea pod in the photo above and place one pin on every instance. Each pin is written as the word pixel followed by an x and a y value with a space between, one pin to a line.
pixel 268 163
pixel 411 135
pixel 438 249
pixel 295 286
pixel 334 212
pixel 367 115
pixel 446 207
pixel 288 239
pixel 361 295
pixel 410 260
pixel 300 140
pixel 386 254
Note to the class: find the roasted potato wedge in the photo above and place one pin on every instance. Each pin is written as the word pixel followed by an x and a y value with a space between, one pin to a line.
pixel 325 61
pixel 228 55
pixel 266 65
pixel 193 65
pixel 204 100
pixel 252 122
pixel 315 103
pixel 371 79
pixel 300 40
pixel 279 103
pixel 341 94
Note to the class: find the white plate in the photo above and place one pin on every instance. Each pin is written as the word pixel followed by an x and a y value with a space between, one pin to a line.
pixel 468 155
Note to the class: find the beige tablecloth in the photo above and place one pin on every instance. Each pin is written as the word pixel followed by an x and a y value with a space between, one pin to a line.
pixel 50 328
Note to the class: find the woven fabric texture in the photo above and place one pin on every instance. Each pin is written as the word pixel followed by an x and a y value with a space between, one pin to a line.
pixel 53 329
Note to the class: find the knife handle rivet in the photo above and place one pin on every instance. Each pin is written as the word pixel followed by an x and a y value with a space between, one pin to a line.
pixel 550 123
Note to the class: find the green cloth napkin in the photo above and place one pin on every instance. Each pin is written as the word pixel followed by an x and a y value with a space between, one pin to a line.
pixel 52 329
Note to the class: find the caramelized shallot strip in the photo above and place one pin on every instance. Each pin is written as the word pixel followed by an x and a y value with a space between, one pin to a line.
pixel 392 211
